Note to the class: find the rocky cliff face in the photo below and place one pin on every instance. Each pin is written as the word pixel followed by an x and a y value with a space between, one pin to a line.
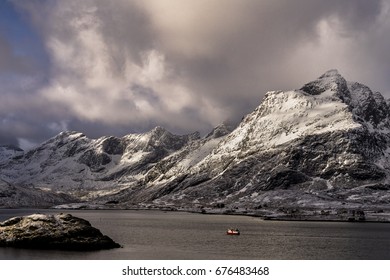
pixel 84 168
pixel 324 145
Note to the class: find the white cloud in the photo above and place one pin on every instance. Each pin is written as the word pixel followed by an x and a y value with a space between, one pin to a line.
pixel 153 69
pixel 57 127
pixel 26 144
pixel 188 65
pixel 89 82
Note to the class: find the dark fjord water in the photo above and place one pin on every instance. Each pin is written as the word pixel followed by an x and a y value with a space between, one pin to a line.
pixel 177 235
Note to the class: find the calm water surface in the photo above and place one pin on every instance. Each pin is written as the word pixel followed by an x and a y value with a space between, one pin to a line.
pixel 177 235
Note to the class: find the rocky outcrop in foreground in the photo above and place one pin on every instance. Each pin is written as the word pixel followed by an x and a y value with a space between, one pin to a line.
pixel 57 232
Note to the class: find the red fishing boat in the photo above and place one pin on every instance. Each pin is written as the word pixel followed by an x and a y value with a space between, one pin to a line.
pixel 231 231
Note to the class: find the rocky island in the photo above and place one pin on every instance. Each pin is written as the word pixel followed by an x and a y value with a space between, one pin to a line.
pixel 56 232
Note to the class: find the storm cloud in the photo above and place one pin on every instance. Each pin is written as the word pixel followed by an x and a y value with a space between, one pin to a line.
pixel 122 66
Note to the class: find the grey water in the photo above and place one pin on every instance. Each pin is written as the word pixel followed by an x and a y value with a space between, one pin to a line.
pixel 181 236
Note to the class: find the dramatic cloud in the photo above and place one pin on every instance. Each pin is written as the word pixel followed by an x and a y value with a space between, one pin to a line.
pixel 129 65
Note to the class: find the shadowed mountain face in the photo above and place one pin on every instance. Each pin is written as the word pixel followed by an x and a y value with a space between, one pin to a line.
pixel 324 145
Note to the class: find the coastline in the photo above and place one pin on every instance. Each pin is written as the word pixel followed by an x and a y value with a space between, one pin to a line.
pixel 349 215
pixel 295 214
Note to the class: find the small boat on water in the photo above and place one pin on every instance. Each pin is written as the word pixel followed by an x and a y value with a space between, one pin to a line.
pixel 231 231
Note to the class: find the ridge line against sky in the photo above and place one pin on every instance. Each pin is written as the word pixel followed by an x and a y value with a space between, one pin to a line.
pixel 117 67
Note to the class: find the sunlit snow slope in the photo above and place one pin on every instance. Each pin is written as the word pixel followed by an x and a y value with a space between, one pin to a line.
pixel 324 145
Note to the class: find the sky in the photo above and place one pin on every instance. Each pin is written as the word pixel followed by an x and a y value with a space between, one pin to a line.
pixel 126 66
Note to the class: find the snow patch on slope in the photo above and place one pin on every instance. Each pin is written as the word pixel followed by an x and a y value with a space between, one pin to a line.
pixel 286 116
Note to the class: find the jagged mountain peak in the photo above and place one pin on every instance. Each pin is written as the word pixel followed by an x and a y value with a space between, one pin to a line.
pixel 327 105
pixel 68 135
pixel 64 137
pixel 220 130
pixel 325 143
pixel 159 130
pixel 299 147
pixel 367 108
pixel 160 135
pixel 330 80
pixel 330 73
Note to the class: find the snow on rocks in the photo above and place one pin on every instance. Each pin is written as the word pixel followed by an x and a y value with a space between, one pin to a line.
pixel 314 146
pixel 57 232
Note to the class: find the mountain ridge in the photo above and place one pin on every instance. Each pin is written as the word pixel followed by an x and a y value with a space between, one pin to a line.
pixel 324 145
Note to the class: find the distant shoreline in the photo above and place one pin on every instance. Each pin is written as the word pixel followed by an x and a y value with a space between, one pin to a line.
pixel 307 215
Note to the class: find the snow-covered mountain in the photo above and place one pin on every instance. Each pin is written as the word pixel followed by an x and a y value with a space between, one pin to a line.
pixel 85 168
pixel 325 145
